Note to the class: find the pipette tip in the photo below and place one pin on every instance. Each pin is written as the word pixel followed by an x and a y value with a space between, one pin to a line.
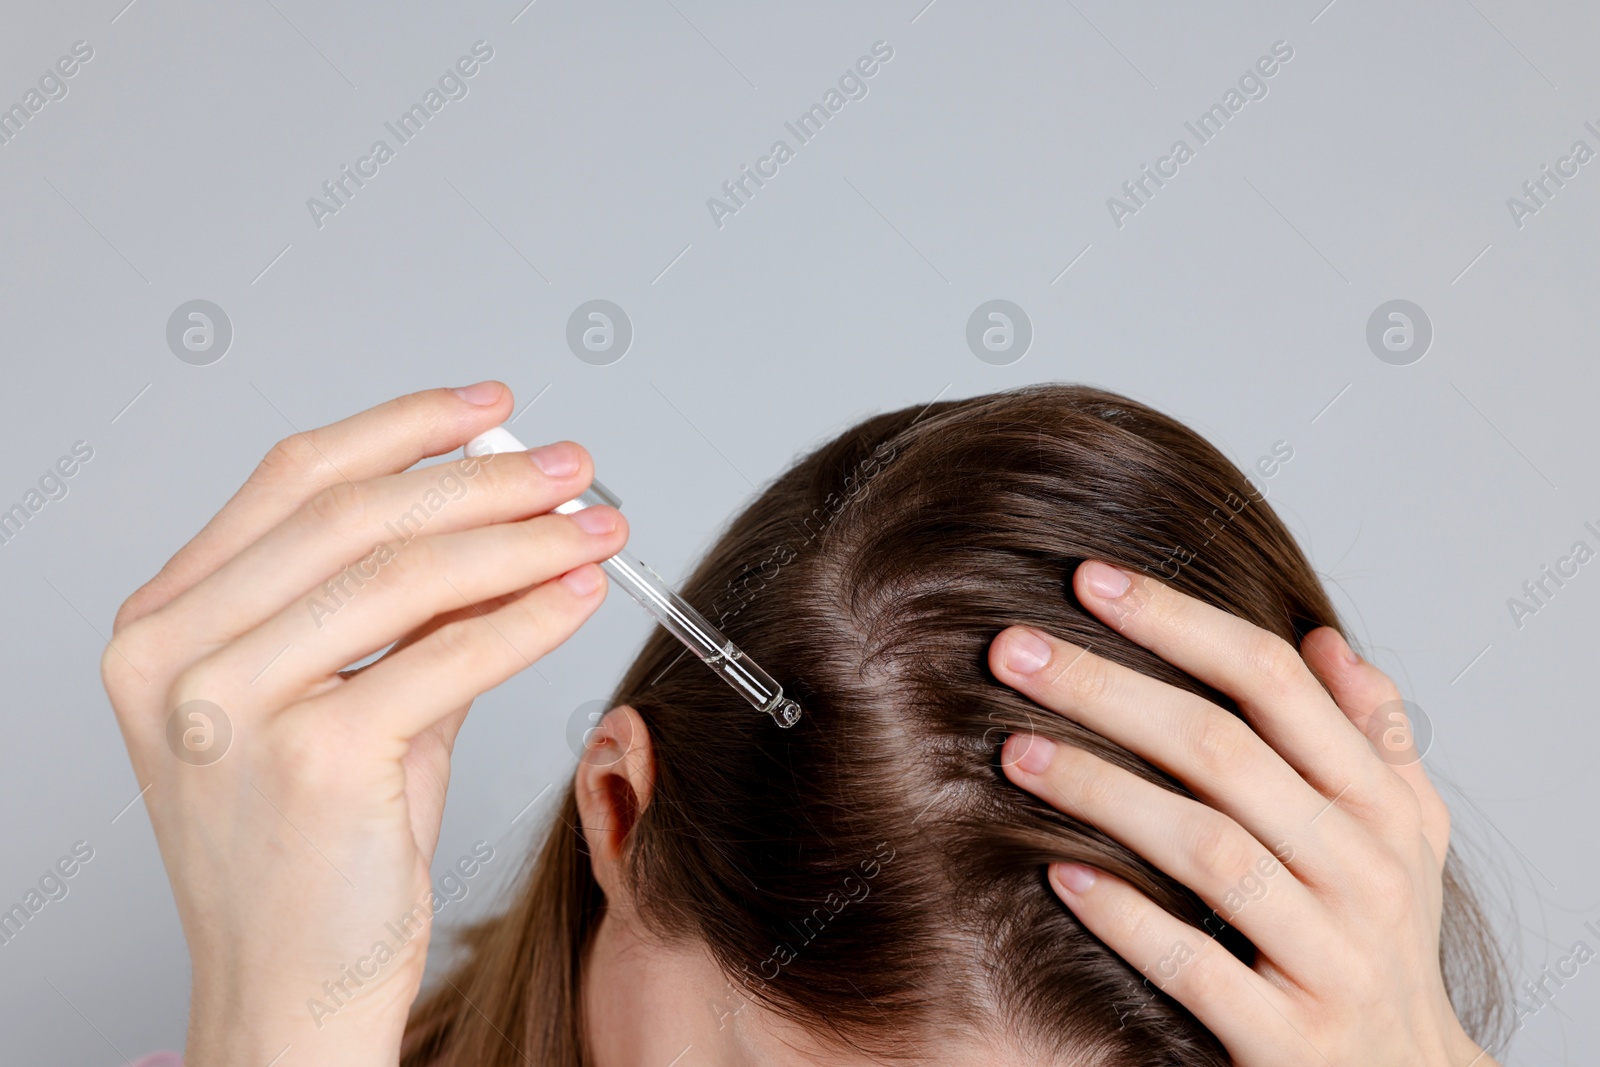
pixel 786 713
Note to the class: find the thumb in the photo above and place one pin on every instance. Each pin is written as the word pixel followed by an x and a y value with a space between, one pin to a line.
pixel 1372 703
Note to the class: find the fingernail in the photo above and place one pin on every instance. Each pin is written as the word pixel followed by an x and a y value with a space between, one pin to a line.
pixel 1030 752
pixel 595 520
pixel 557 460
pixel 1074 878
pixel 1026 651
pixel 582 580
pixel 1350 656
pixel 483 394
pixel 1104 580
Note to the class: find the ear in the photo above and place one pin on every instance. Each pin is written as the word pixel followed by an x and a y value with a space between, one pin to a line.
pixel 616 774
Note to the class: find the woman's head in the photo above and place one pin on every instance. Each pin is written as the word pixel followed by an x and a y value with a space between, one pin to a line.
pixel 870 879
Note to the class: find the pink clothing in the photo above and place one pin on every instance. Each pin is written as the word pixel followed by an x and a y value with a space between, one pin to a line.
pixel 159 1059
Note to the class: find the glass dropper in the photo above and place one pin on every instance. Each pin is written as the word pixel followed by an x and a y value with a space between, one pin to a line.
pixel 668 608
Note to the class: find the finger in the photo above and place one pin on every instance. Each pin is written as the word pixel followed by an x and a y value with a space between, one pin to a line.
pixel 1233 1002
pixel 413 689
pixel 1239 879
pixel 1261 671
pixel 1369 698
pixel 343 523
pixel 310 640
pixel 427 770
pixel 427 759
pixel 1218 757
pixel 381 440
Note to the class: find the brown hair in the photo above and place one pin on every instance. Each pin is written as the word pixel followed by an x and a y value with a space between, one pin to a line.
pixel 870 579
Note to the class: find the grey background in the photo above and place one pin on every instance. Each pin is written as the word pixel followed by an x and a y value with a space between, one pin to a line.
pixel 977 167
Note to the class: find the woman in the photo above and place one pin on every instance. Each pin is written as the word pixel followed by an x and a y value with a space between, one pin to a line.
pixel 1063 792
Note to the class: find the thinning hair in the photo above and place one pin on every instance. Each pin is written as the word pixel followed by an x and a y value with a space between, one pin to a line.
pixel 870 578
